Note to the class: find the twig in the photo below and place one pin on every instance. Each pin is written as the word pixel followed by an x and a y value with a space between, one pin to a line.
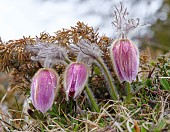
pixel 10 125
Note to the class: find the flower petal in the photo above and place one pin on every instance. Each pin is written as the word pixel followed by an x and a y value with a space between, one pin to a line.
pixel 43 88
pixel 75 78
pixel 125 58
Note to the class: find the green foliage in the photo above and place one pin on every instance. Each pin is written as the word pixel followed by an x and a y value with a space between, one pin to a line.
pixel 165 84
pixel 97 70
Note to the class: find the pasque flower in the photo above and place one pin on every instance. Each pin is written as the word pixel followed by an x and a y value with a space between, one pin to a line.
pixel 125 58
pixel 75 79
pixel 45 81
pixel 90 53
pixel 43 88
pixel 124 54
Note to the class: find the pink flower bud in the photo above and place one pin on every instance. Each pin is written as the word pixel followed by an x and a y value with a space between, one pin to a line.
pixel 75 78
pixel 43 88
pixel 125 58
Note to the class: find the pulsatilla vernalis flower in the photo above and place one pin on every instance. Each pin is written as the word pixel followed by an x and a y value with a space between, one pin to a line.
pixel 43 88
pixel 75 79
pixel 125 58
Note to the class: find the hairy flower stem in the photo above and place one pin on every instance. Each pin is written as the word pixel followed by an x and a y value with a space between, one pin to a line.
pixel 128 91
pixel 67 60
pixel 113 91
pixel 92 99
pixel 88 91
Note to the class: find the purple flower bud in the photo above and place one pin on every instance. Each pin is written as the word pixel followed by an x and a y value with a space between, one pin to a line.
pixel 75 78
pixel 43 88
pixel 125 58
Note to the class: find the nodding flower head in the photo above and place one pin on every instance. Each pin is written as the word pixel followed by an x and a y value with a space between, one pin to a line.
pixel 125 58
pixel 87 51
pixel 75 79
pixel 48 53
pixel 124 54
pixel 43 88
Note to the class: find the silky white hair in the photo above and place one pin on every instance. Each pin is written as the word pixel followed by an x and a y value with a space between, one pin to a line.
pixel 87 52
pixel 48 53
